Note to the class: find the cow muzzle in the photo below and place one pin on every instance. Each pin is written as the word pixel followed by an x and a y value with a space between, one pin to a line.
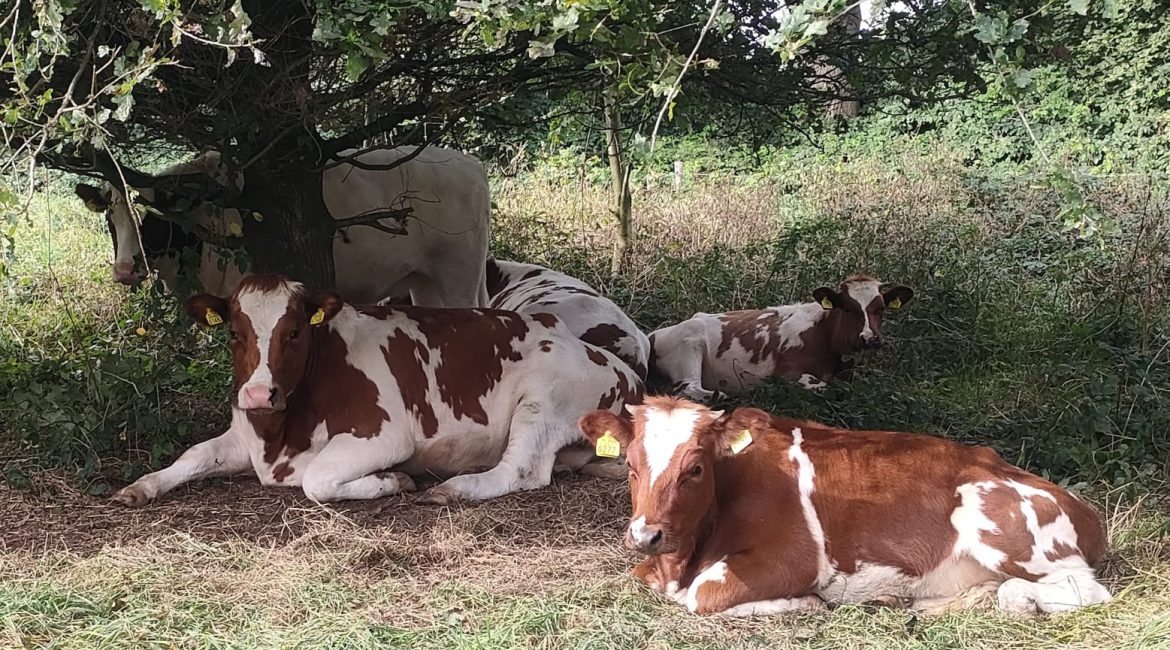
pixel 127 274
pixel 643 538
pixel 872 342
pixel 261 397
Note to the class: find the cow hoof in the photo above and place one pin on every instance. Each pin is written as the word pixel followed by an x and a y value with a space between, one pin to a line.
pixel 131 496
pixel 405 483
pixel 439 496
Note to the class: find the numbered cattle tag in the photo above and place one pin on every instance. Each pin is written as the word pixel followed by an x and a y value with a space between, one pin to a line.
pixel 896 303
pixel 826 303
pixel 318 317
pixel 741 441
pixel 212 317
pixel 608 446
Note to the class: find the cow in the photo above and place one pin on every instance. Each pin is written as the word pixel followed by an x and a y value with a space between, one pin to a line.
pixel 736 351
pixel 531 289
pixel 747 513
pixel 440 263
pixel 351 402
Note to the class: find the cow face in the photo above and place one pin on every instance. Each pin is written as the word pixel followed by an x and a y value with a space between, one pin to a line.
pixel 859 306
pixel 162 239
pixel 272 321
pixel 670 453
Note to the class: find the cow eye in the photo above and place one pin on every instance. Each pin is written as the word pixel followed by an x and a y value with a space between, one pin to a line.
pixel 232 335
pixel 696 470
pixel 296 332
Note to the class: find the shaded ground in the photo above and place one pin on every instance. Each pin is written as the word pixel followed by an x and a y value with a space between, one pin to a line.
pixel 240 509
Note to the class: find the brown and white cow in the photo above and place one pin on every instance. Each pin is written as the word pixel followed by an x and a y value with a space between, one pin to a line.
pixel 752 514
pixel 438 263
pixel 593 318
pixel 328 395
pixel 736 351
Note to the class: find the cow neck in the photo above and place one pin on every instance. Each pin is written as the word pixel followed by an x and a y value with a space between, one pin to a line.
pixel 832 342
pixel 271 426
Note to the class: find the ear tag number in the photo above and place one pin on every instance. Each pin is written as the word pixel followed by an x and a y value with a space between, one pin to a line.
pixel 318 317
pixel 896 303
pixel 741 441
pixel 826 303
pixel 608 446
pixel 212 318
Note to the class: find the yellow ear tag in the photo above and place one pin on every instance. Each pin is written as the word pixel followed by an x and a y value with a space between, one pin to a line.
pixel 896 303
pixel 608 446
pixel 741 441
pixel 826 303
pixel 318 317
pixel 212 318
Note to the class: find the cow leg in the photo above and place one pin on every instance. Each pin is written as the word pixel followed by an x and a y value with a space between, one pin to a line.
pixel 220 456
pixel 747 585
pixel 533 443
pixel 1062 591
pixel 679 356
pixel 348 468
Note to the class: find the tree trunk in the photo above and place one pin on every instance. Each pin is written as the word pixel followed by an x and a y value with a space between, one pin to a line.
pixel 619 171
pixel 294 235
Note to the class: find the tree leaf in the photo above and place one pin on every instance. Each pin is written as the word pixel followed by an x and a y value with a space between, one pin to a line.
pixel 1079 6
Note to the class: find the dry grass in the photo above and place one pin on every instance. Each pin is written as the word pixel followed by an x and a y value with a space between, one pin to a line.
pixel 226 564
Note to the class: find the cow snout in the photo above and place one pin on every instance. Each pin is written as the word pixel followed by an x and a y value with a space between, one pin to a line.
pixel 643 538
pixel 125 273
pixel 260 397
pixel 871 342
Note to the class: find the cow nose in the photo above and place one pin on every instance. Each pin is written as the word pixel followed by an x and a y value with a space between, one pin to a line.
pixel 872 343
pixel 125 274
pixel 644 539
pixel 259 397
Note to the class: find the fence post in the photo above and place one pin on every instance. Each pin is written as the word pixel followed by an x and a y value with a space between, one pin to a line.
pixel 678 175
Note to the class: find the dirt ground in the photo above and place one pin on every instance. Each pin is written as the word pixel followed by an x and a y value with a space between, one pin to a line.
pixel 573 508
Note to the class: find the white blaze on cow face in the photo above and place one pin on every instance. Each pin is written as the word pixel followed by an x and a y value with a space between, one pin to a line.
pixel 671 484
pixel 265 310
pixel 868 295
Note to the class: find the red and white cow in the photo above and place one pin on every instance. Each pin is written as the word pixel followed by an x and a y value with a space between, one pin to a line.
pixel 752 514
pixel 438 263
pixel 736 351
pixel 328 395
pixel 593 318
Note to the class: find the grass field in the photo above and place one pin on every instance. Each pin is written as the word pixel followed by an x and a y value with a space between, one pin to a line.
pixel 1051 349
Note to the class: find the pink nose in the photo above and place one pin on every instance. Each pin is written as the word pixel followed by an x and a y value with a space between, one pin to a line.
pixel 258 397
pixel 124 273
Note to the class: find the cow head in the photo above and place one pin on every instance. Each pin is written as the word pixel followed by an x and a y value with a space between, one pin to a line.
pixel 160 238
pixel 272 320
pixel 859 305
pixel 671 446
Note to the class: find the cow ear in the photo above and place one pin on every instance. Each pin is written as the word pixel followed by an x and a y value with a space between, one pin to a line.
pixel 322 307
pixel 206 309
pixel 827 297
pixel 896 296
pixel 737 431
pixel 93 197
pixel 596 424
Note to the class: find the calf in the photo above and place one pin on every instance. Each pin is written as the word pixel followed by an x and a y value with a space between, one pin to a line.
pixel 752 514
pixel 736 351
pixel 327 395
pixel 531 289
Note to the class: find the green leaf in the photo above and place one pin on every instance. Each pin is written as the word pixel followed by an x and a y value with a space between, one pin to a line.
pixel 1079 6
pixel 355 65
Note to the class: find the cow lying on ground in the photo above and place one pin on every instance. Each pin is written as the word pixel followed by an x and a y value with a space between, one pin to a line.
pixel 439 263
pixel 736 351
pixel 327 395
pixel 752 514
pixel 532 289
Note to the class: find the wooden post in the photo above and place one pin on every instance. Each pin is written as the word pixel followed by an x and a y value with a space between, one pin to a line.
pixel 678 175
pixel 619 171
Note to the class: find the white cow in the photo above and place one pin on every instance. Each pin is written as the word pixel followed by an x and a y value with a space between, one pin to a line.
pixel 439 263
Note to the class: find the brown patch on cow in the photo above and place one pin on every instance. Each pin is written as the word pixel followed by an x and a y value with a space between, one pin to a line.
pixel 756 330
pixel 548 320
pixel 471 346
pixel 608 337
pixel 408 359
pixel 495 278
pixel 596 356
pixel 282 471
pixel 1047 511
pixel 625 390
